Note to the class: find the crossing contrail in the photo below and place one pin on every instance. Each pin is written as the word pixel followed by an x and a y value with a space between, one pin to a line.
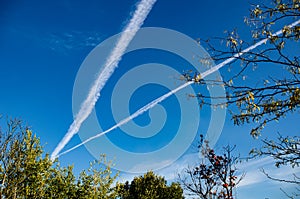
pixel 135 23
pixel 162 98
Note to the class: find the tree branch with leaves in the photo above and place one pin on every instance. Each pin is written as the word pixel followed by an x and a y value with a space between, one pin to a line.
pixel 215 177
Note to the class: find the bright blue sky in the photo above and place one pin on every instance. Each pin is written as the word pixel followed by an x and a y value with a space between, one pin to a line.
pixel 43 44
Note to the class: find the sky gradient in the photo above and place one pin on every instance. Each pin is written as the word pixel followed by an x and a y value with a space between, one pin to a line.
pixel 43 46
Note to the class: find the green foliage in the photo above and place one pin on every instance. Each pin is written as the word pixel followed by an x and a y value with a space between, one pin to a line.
pixel 97 181
pixel 26 173
pixel 149 186
pixel 61 183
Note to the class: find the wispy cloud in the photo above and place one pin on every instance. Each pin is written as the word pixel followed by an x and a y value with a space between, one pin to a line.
pixel 252 169
pixel 60 42
pixel 254 174
pixel 254 179
pixel 74 40
pixel 171 172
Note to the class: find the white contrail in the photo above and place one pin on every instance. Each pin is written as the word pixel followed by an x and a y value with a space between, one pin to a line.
pixel 162 98
pixel 217 67
pixel 139 16
pixel 131 117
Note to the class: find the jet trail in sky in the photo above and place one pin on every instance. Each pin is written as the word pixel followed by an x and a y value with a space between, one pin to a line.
pixel 131 117
pixel 162 98
pixel 217 67
pixel 135 23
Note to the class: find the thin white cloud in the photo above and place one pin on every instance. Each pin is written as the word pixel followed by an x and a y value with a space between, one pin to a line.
pixel 251 168
pixel 254 179
pixel 171 172
pixel 62 42
pixel 254 174
pixel 146 165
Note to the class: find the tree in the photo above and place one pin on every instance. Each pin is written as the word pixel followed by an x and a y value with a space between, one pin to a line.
pixel 61 183
pixel 214 177
pixel 285 151
pixel 97 182
pixel 273 98
pixel 149 186
pixel 26 172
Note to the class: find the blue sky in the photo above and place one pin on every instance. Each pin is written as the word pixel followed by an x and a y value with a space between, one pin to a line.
pixel 43 45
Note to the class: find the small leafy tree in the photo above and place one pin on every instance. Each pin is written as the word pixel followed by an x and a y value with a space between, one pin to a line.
pixel 149 186
pixel 214 177
pixel 97 182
